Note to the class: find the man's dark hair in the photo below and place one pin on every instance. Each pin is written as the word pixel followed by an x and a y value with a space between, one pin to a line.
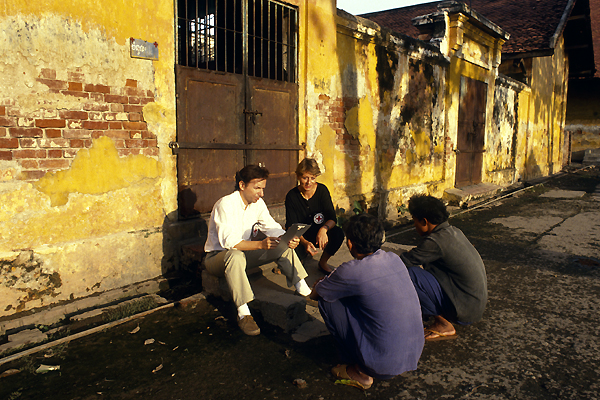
pixel 365 232
pixel 433 209
pixel 250 172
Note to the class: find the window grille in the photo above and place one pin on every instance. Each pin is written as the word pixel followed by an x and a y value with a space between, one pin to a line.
pixel 211 36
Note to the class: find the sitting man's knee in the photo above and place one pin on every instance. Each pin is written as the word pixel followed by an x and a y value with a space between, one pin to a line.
pixel 235 259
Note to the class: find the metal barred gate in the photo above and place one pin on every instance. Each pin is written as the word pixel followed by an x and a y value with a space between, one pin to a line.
pixel 237 98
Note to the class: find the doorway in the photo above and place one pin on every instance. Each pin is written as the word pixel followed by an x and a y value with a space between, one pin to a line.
pixel 237 98
pixel 471 132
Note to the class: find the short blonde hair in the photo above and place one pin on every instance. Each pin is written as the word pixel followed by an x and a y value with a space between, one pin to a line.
pixel 309 165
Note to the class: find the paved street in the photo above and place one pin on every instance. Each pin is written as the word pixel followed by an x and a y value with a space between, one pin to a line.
pixel 538 339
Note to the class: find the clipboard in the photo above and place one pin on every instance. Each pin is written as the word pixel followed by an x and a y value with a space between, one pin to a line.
pixel 296 230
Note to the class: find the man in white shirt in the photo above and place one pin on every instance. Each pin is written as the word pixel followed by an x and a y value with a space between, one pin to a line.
pixel 234 220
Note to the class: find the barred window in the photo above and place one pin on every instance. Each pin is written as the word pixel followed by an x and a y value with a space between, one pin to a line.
pixel 254 37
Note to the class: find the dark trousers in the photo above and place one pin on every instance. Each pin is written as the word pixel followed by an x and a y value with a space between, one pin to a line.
pixel 336 238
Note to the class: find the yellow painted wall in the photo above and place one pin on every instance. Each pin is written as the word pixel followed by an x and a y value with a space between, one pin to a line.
pixel 96 224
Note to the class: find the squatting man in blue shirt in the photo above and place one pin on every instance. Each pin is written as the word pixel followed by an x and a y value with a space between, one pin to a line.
pixel 235 219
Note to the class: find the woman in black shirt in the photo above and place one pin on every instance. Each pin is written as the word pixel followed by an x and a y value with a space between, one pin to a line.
pixel 310 203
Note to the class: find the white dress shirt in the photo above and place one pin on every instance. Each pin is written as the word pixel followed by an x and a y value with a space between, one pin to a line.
pixel 231 222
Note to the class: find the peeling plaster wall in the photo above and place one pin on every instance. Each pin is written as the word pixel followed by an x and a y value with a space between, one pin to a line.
pixel 86 176
pixel 583 114
pixel 548 110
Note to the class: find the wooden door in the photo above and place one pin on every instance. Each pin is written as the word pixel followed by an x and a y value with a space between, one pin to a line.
pixel 237 98
pixel 471 132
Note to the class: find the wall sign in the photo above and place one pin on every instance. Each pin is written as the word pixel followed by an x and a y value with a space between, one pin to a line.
pixel 142 49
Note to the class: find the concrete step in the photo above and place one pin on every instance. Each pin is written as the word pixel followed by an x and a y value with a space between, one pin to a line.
pixel 468 194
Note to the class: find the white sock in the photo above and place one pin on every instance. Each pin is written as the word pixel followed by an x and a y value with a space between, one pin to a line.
pixel 303 288
pixel 243 311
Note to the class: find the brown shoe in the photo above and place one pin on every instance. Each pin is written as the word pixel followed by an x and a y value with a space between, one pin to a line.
pixel 248 326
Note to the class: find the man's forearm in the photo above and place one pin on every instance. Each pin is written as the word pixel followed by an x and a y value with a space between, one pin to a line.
pixel 247 245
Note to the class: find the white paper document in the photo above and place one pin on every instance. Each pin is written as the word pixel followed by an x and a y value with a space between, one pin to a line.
pixel 295 230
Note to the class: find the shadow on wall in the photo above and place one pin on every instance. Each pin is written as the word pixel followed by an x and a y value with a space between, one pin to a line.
pixel 183 251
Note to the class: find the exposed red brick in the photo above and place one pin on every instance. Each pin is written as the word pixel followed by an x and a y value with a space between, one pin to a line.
pixel 2 110
pixel 148 135
pixel 115 134
pixel 97 88
pixel 55 153
pixel 52 143
pixel 129 152
pixel 134 100
pixel 152 143
pixel 76 133
pixel 3 132
pixel 53 133
pixel 50 123
pixel 115 125
pixel 136 143
pixel 130 108
pixel 117 107
pixel 30 164
pixel 136 126
pixel 70 153
pixel 135 92
pixel 135 117
pixel 6 121
pixel 114 98
pixel 96 107
pixel 54 84
pixel 54 163
pixel 119 143
pixel 76 86
pixel 5 155
pixel 12 143
pixel 26 132
pixel 29 153
pixel 146 100
pixel 69 114
pixel 27 143
pixel 77 143
pixel 48 73
pixel 93 125
pixel 131 83
pixel 97 97
pixel 151 152
pixel 77 77
pixel 96 116
pixel 75 94
pixel 31 175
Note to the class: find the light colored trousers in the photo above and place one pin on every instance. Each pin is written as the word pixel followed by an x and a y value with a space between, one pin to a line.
pixel 232 264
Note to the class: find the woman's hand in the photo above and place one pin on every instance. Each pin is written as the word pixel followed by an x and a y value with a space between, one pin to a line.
pixel 310 248
pixel 322 238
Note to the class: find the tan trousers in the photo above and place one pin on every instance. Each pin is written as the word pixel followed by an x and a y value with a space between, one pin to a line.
pixel 232 264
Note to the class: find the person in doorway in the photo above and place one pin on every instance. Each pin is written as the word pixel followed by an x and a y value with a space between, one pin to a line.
pixel 310 203
pixel 452 283
pixel 371 308
pixel 234 220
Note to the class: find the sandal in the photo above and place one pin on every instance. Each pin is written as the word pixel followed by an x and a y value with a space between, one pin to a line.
pixel 339 371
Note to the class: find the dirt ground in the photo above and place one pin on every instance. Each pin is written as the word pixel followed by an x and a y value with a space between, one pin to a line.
pixel 538 339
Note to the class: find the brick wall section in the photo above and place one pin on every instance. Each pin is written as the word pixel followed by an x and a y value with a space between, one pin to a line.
pixel 49 139
pixel 333 111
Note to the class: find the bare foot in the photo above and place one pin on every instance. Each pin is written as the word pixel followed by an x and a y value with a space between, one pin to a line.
pixel 356 373
pixel 441 327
